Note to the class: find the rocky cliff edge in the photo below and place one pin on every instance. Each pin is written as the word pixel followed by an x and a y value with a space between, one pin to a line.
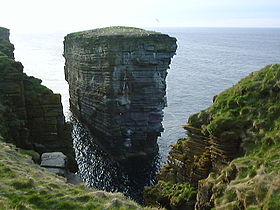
pixel 31 115
pixel 230 158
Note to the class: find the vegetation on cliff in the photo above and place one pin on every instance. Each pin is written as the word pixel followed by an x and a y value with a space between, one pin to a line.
pixel 25 185
pixel 170 195
pixel 114 31
pixel 243 122
pixel 250 109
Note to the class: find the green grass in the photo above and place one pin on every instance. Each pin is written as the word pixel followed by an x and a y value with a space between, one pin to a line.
pixel 34 155
pixel 168 193
pixel 257 183
pixel 251 111
pixel 252 105
pixel 25 185
pixel 113 31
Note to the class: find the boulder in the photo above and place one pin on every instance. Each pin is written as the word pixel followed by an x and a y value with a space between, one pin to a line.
pixel 54 160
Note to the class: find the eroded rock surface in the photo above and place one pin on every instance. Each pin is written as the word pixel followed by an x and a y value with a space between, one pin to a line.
pixel 32 114
pixel 117 85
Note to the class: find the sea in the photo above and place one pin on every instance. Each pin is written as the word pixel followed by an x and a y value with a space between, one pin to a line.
pixel 207 61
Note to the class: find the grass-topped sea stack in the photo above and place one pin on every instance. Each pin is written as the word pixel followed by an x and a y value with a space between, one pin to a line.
pixel 117 85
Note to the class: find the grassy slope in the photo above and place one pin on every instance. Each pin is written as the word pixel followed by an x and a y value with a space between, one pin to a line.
pixel 251 109
pixel 250 112
pixel 257 185
pixel 25 185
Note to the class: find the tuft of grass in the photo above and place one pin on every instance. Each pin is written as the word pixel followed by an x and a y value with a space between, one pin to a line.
pixel 25 184
pixel 34 155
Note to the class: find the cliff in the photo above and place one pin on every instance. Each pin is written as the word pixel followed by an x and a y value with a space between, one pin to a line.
pixel 31 119
pixel 5 45
pixel 31 115
pixel 117 86
pixel 231 155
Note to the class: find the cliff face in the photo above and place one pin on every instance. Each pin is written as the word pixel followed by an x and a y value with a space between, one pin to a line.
pixel 117 85
pixel 6 47
pixel 31 115
pixel 243 122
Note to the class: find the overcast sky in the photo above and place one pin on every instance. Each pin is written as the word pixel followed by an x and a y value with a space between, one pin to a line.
pixel 74 15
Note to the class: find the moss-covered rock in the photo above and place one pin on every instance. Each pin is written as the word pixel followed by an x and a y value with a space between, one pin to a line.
pixel 170 195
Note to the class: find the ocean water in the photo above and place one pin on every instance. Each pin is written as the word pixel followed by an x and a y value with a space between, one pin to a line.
pixel 208 61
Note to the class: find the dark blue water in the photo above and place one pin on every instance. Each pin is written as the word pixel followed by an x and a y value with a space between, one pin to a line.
pixel 208 61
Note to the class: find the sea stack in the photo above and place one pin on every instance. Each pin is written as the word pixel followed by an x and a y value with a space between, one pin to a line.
pixel 117 86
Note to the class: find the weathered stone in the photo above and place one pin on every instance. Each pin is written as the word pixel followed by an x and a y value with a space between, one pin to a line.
pixel 117 85
pixel 53 160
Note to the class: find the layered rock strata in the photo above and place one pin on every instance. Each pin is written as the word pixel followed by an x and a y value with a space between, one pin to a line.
pixel 117 85
pixel 231 154
pixel 31 114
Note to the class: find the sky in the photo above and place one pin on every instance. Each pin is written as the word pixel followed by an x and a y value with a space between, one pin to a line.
pixel 75 15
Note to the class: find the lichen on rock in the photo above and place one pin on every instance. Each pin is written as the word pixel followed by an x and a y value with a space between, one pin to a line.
pixel 117 85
